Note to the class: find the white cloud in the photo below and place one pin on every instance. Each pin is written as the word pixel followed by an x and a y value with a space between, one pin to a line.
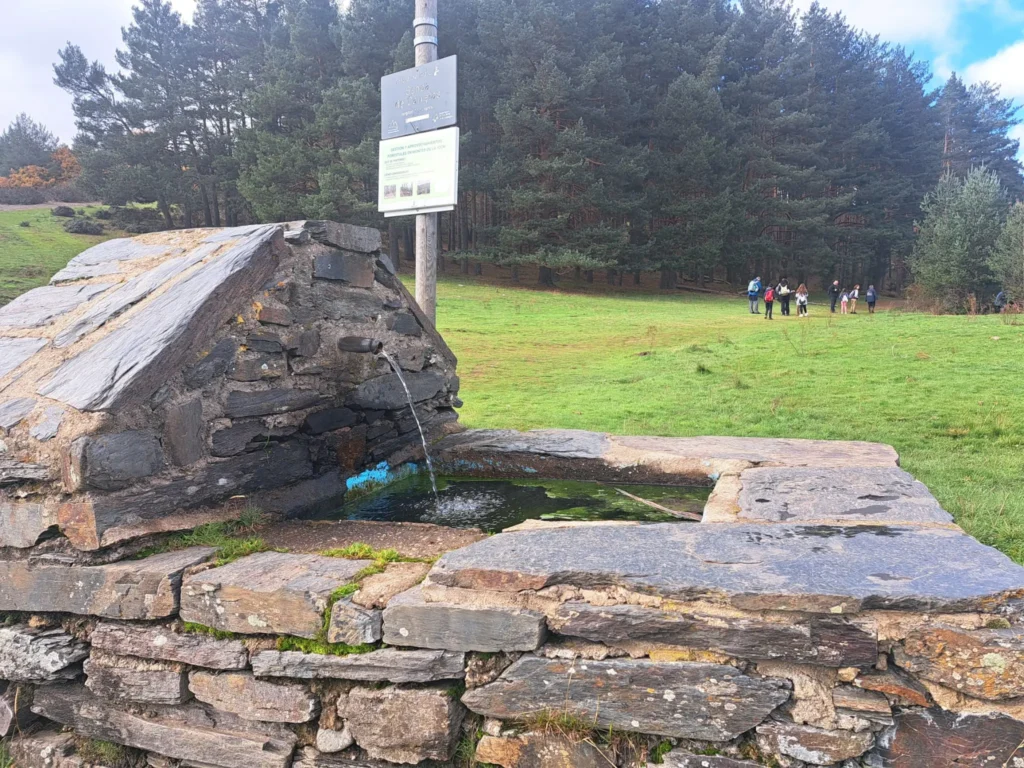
pixel 899 21
pixel 1006 69
pixel 31 33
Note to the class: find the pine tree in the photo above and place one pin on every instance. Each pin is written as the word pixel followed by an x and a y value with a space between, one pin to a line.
pixel 25 142
pixel 1007 260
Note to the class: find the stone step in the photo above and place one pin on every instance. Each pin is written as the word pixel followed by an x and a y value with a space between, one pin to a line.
pixel 411 621
pixel 815 568
pixel 825 640
pixel 387 665
pixel 165 645
pixel 30 655
pixel 127 678
pixel 711 702
pixel 131 590
pixel 269 593
pixel 252 699
pixel 190 732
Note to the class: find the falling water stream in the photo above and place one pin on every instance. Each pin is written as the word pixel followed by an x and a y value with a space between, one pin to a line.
pixel 412 407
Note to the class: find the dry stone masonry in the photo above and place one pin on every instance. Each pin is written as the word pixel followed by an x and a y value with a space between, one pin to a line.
pixel 826 611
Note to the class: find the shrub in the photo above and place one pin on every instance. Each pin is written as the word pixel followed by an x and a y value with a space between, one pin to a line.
pixel 24 224
pixel 83 227
pixel 22 196
pixel 63 210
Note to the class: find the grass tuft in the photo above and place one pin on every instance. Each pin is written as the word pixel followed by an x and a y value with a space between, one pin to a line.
pixel 193 628
pixel 321 646
pixel 224 537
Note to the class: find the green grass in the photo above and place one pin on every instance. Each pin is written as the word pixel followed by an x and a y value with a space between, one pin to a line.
pixel 30 255
pixel 230 539
pixel 942 390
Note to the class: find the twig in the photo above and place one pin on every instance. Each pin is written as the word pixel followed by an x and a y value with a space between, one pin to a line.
pixel 674 512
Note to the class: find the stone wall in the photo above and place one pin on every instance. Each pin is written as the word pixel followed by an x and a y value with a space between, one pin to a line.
pixel 169 380
pixel 827 612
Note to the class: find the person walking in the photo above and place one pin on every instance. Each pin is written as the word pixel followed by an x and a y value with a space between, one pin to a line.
pixel 872 297
pixel 1000 302
pixel 753 292
pixel 833 295
pixel 784 293
pixel 801 300
pixel 854 295
pixel 844 303
pixel 769 302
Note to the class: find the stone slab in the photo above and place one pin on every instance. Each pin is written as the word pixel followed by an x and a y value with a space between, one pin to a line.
pixel 387 665
pixel 214 364
pixel 126 678
pixel 48 425
pixel 347 236
pixel 711 702
pixel 871 494
pixel 41 306
pixel 939 739
pixel 818 569
pixel 409 620
pixel 900 688
pixel 354 625
pixel 190 732
pixel 14 472
pixel 15 351
pixel 15 411
pixel 354 269
pixel 29 655
pixel 253 699
pixel 114 461
pixel 270 593
pixel 131 590
pixel 377 590
pixel 135 359
pixel 269 402
pixel 540 750
pixel 816 746
pixel 825 640
pixel 23 523
pixel 163 644
pixel 984 663
pixel 111 252
pixel 403 725
pixel 185 432
pixel 679 759
pixel 47 748
pixel 15 709
pixel 386 393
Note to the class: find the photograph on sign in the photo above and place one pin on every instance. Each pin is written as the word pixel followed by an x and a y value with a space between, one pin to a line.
pixel 419 174
pixel 419 99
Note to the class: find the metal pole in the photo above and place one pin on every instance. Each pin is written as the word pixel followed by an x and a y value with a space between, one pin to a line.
pixel 425 41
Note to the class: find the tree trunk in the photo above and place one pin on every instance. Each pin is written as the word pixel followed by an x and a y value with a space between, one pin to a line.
pixel 667 281
pixel 165 211
pixel 515 274
pixel 478 269
pixel 188 215
pixel 207 212
pixel 589 275
pixel 609 276
pixel 636 277
pixel 465 266
pixel 410 247
pixel 546 276
pixel 576 273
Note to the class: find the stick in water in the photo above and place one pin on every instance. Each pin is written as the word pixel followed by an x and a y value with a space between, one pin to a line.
pixel 653 505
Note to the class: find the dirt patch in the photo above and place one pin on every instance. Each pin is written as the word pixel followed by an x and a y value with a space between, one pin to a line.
pixel 410 539
pixel 37 206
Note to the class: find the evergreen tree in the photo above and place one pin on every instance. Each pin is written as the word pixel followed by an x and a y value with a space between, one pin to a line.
pixel 1007 260
pixel 25 142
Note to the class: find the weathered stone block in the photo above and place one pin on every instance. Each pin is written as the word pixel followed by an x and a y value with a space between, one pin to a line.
pixel 268 402
pixel 403 725
pixel 405 324
pixel 274 313
pixel 128 678
pixel 939 739
pixel 41 306
pixel 828 641
pixel 305 343
pixel 900 688
pixel 215 364
pixel 387 665
pixel 265 341
pixel 984 663
pixel 270 593
pixel 48 424
pixel 711 702
pixel 131 590
pixel 15 709
pixel 354 625
pixel 330 741
pixel 411 621
pixel 815 569
pixel 15 411
pixel 347 236
pixel 23 523
pixel 110 462
pixel 331 419
pixel 352 268
pixel 252 699
pixel 185 432
pixel 387 394
pixel 45 749
pixel 15 351
pixel 377 590
pixel 163 644
pixel 258 366
pixel 816 746
pixel 29 655
pixel 15 472
pixel 540 750
pixel 133 360
pixel 678 759
pixel 190 732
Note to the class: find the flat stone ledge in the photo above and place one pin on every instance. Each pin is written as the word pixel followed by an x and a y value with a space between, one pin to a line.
pixel 131 590
pixel 251 699
pixel 270 593
pixel 815 569
pixel 712 702
pixel 29 655
pixel 387 665
pixel 162 644
pixel 127 678
pixel 863 494
pixel 409 620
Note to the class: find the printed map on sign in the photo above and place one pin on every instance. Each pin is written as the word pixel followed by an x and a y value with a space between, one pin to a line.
pixel 419 174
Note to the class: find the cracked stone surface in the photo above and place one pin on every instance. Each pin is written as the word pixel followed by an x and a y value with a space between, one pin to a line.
pixel 817 569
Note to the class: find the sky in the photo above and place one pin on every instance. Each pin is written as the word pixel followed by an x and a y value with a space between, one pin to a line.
pixel 979 39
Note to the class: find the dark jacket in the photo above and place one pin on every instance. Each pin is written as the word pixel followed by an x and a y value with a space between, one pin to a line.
pixel 834 290
pixel 871 296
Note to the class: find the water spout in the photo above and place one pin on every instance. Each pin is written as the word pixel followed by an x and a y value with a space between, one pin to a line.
pixel 360 344
pixel 412 407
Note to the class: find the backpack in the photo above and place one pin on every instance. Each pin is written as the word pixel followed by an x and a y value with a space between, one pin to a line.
pixel 769 295
pixel 784 291
pixel 752 287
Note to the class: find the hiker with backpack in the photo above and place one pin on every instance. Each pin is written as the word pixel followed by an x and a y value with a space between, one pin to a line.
pixel 769 301
pixel 783 293
pixel 871 296
pixel 753 292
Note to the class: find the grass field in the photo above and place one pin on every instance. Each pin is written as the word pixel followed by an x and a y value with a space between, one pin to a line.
pixel 945 391
pixel 30 255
